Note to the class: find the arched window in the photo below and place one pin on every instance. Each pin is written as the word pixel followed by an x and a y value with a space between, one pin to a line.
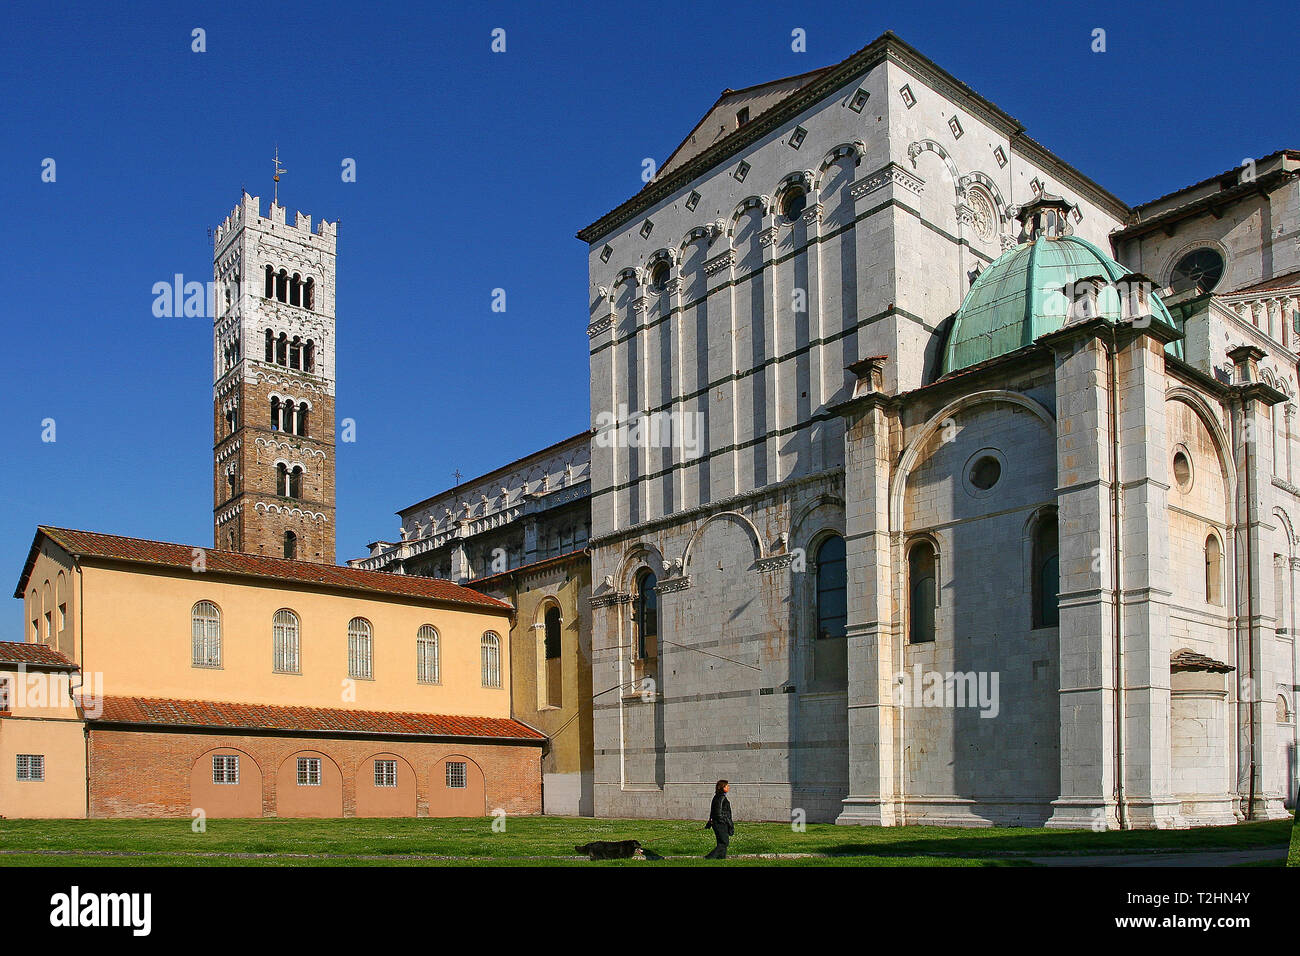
pixel 302 420
pixel 309 294
pixel 359 649
pixel 282 286
pixel 921 592
pixel 554 671
pixel 295 482
pixel 282 349
pixel 270 282
pixel 426 655
pixel 832 588
pixel 275 414
pixel 490 654
pixel 1213 570
pixel 290 545
pixel 1047 573
pixel 282 479
pixel 285 641
pixel 286 417
pixel 295 289
pixel 295 352
pixel 270 346
pixel 205 635
pixel 309 356
pixel 647 616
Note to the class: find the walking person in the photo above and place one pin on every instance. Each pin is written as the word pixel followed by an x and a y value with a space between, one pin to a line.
pixel 720 821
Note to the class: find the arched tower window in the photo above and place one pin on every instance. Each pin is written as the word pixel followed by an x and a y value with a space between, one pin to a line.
pixel 302 420
pixel 284 639
pixel 360 649
pixel 270 282
pixel 270 346
pixel 290 545
pixel 554 671
pixel 426 655
pixel 295 482
pixel 490 659
pixel 282 286
pixel 282 479
pixel 275 414
pixel 309 294
pixel 1213 570
pixel 832 588
pixel 309 356
pixel 295 290
pixel 922 593
pixel 282 350
pixel 286 423
pixel 647 616
pixel 205 635
pixel 1047 573
pixel 295 353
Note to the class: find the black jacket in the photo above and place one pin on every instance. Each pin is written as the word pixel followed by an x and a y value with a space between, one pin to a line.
pixel 720 813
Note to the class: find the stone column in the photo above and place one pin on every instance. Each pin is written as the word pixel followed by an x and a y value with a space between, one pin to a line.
pixel 1145 579
pixel 1087 585
pixel 1257 651
pixel 874 659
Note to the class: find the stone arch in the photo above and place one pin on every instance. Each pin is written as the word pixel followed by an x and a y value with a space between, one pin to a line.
pixel 800 177
pixel 376 801
pixel 447 801
pixel 763 203
pixel 639 555
pixel 734 516
pixel 976 177
pixel 694 235
pixel 857 149
pixel 898 484
pixel 801 538
pixel 309 800
pixel 928 145
pixel 225 800
pixel 1204 411
pixel 627 274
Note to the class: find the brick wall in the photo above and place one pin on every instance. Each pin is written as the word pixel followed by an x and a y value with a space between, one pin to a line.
pixel 147 773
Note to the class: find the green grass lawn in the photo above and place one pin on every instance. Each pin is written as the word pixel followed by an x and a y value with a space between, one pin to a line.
pixel 532 841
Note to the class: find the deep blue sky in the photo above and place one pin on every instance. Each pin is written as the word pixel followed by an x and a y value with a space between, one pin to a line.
pixel 474 172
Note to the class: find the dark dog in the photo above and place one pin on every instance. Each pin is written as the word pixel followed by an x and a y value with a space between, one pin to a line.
pixel 611 849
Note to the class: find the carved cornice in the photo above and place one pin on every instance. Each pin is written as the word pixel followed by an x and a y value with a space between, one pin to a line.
pixel 600 325
pixel 775 562
pixel 768 237
pixel 813 214
pixel 673 584
pixel 889 174
pixel 718 263
pixel 609 599
pixel 673 285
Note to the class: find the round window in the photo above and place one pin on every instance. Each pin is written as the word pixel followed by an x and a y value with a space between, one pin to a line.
pixel 1199 269
pixel 1182 470
pixel 659 277
pixel 986 471
pixel 793 203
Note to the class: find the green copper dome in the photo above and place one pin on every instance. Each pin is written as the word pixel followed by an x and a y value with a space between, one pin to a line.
pixel 1021 296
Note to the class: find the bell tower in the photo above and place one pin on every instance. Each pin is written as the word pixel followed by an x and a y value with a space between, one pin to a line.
pixel 273 391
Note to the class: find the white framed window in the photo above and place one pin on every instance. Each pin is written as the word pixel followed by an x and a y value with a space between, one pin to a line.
pixel 490 653
pixel 31 767
pixel 457 779
pixel 225 769
pixel 426 655
pixel 385 773
pixel 309 771
pixel 285 640
pixel 205 635
pixel 359 648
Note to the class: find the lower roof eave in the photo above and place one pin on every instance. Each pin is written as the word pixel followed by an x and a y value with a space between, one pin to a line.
pixel 100 724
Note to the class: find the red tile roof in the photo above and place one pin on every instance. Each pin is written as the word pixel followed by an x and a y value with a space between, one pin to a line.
pixel 209 713
pixel 1268 285
pixel 1186 659
pixel 18 652
pixel 163 554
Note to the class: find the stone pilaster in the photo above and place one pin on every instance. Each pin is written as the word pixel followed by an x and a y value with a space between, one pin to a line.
pixel 873 653
pixel 1257 652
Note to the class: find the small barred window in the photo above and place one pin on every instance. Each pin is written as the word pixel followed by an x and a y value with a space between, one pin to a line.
pixel 309 771
pixel 456 776
pixel 385 773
